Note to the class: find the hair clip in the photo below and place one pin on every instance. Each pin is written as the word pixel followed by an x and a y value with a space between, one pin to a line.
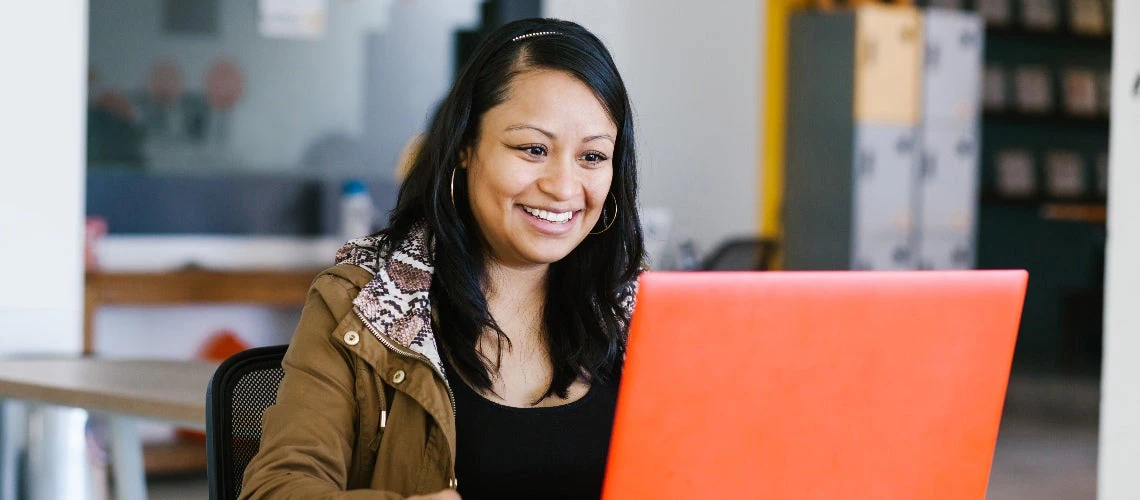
pixel 539 33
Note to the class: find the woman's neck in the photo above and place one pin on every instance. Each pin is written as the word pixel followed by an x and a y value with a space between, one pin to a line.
pixel 515 298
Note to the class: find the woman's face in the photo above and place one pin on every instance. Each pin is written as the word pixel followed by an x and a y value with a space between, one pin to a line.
pixel 540 172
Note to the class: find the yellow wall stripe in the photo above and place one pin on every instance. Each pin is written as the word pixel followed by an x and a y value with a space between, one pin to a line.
pixel 773 127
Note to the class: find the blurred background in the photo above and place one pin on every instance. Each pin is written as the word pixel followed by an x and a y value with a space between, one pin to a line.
pixel 187 166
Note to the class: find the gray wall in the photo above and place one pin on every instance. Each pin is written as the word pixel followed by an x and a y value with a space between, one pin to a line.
pixel 410 70
pixel 694 73
pixel 345 101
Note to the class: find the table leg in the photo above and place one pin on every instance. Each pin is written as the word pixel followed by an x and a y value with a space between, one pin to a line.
pixel 127 459
pixel 13 443
pixel 57 453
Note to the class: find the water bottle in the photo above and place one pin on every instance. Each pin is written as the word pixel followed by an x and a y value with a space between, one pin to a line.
pixel 687 259
pixel 355 211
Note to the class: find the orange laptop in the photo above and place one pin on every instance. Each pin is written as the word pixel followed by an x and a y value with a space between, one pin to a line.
pixel 843 385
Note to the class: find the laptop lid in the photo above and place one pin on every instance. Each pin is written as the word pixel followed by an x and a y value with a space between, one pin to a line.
pixel 817 385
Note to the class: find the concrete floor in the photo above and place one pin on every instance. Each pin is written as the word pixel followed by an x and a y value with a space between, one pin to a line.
pixel 1047 445
pixel 1044 461
pixel 1046 448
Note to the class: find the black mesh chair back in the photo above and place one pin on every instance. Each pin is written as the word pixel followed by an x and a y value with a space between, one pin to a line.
pixel 745 254
pixel 239 392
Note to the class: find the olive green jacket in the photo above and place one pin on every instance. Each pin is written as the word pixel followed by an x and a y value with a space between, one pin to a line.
pixel 364 410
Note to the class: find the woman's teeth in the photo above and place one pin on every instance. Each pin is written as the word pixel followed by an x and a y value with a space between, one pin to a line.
pixel 558 218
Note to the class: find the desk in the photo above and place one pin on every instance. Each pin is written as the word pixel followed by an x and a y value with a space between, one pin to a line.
pixel 168 391
pixel 272 288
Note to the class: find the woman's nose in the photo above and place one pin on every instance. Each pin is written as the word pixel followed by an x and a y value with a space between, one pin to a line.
pixel 559 180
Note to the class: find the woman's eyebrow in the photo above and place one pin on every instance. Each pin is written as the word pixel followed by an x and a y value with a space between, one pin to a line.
pixel 550 135
pixel 523 126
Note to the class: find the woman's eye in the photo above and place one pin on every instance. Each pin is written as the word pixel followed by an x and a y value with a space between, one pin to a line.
pixel 534 150
pixel 594 157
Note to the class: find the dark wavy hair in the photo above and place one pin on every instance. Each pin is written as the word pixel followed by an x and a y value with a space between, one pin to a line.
pixel 582 318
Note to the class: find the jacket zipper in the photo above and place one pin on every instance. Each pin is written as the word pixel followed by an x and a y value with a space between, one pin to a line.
pixel 415 356
pixel 452 482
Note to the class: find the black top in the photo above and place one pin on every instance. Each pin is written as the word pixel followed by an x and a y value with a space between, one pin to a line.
pixel 555 452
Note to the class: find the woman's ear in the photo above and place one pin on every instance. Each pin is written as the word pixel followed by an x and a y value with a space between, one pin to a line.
pixel 464 157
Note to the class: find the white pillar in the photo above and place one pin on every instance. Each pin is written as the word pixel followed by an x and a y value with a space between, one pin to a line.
pixel 1119 449
pixel 43 105
pixel 13 442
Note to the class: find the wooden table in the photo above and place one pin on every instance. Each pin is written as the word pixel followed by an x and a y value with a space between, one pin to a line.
pixel 280 288
pixel 169 391
pixel 126 390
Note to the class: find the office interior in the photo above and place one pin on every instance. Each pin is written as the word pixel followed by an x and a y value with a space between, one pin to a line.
pixel 189 165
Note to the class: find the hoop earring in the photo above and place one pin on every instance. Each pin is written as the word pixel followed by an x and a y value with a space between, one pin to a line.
pixel 453 188
pixel 611 223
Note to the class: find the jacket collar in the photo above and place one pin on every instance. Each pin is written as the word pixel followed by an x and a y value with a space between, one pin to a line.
pixel 396 304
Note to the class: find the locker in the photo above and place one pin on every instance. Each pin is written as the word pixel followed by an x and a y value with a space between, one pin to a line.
pixel 884 250
pixel 951 66
pixel 865 190
pixel 884 173
pixel 946 249
pixel 888 55
pixel 885 156
pixel 948 177
pixel 948 170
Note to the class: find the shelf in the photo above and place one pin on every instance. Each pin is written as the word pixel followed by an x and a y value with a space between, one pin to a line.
pixel 1060 37
pixel 994 198
pixel 1093 210
pixel 1094 123
pixel 276 288
pixel 1075 212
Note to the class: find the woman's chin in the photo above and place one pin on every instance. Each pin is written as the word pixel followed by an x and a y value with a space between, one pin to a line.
pixel 547 257
pixel 547 252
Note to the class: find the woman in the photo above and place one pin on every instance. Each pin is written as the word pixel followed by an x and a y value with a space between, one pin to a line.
pixel 476 343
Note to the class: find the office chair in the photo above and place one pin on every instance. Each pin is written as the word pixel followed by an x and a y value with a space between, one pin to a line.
pixel 239 392
pixel 743 254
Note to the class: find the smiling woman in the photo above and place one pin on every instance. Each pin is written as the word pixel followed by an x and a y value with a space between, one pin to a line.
pixel 540 173
pixel 496 303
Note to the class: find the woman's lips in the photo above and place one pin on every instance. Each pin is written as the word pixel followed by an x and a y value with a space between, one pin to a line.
pixel 549 227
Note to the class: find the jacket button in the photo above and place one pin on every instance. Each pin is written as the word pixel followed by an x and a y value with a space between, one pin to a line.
pixel 351 338
pixel 398 376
